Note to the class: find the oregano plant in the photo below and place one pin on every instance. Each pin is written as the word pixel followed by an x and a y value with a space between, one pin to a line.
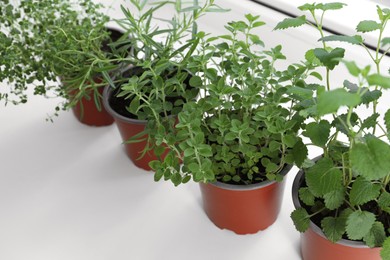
pixel 242 129
pixel 346 191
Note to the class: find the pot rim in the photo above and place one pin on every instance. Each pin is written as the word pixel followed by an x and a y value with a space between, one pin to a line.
pixel 313 226
pixel 248 187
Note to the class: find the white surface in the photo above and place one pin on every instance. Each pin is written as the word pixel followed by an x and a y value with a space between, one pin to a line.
pixel 69 192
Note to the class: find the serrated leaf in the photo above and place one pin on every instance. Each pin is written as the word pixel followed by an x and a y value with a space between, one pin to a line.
pixel 370 121
pixel 334 199
pixel 352 68
pixel 376 235
pixel 291 22
pixel 359 224
pixel 329 59
pixel 387 123
pixel 370 96
pixel 331 101
pixel 333 228
pixel 385 252
pixel 306 196
pixel 385 41
pixel 330 6
pixel 379 80
pixel 318 132
pixel 384 200
pixel 363 191
pixel 323 178
pixel 357 39
pixel 290 140
pixel 368 26
pixel 301 219
pixel 299 152
pixel 371 159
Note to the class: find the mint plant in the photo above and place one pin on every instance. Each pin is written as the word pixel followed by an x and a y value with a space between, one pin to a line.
pixel 346 191
pixel 242 129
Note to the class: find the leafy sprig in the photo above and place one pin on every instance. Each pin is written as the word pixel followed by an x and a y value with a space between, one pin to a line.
pixel 346 189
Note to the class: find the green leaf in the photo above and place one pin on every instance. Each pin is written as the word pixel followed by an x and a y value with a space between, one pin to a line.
pixel 316 74
pixel 370 121
pixel 299 152
pixel 331 101
pixel 196 81
pixel 359 224
pixel 370 96
pixel 323 178
pixel 387 123
pixel 352 68
pixel 306 196
pixel 368 26
pixel 385 41
pixel 329 59
pixel 303 93
pixel 376 235
pixel 371 159
pixel 333 228
pixel 363 191
pixel 385 252
pixel 384 200
pixel 379 80
pixel 301 219
pixel 310 57
pixel 331 6
pixel 318 132
pixel 289 140
pixel 189 152
pixel 334 199
pixel 291 22
pixel 357 39
pixel 205 150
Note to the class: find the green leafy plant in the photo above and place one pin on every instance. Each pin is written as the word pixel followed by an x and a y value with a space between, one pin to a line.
pixel 242 129
pixel 346 191
pixel 50 41
pixel 157 84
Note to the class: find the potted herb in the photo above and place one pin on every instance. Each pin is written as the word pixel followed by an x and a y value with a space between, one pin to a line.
pixel 342 198
pixel 66 39
pixel 146 98
pixel 241 137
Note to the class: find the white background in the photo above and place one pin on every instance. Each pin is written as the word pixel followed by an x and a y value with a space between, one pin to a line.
pixel 69 192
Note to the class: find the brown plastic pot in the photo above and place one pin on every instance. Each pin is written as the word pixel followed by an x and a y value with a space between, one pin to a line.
pixel 129 127
pixel 243 209
pixel 88 113
pixel 315 246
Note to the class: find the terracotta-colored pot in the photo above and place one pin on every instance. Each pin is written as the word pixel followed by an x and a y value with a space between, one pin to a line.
pixel 87 112
pixel 129 127
pixel 315 246
pixel 244 209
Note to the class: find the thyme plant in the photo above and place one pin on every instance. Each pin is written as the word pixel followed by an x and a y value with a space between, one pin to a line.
pixel 346 192
pixel 53 47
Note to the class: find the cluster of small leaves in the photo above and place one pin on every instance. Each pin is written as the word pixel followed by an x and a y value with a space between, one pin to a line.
pixel 349 186
pixel 242 129
pixel 160 87
pixel 54 39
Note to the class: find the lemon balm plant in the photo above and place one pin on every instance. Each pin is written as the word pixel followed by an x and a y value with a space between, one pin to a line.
pixel 345 192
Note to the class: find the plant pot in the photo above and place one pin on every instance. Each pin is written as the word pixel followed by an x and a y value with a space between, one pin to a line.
pixel 315 246
pixel 243 209
pixel 88 113
pixel 86 110
pixel 129 127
